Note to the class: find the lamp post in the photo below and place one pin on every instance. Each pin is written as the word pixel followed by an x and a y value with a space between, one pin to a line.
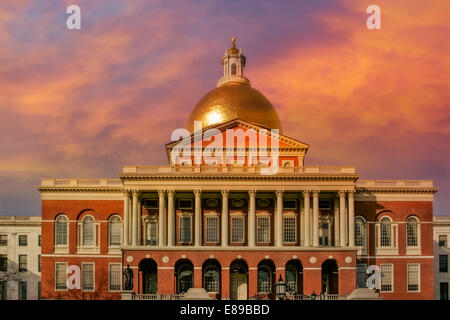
pixel 281 289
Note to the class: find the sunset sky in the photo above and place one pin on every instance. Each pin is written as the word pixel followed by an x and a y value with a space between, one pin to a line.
pixel 84 103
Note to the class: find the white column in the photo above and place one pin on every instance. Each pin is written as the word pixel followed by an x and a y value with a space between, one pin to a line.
pixel 126 218
pixel 315 218
pixel 251 218
pixel 351 220
pixel 278 219
pixel 134 235
pixel 161 206
pixel 139 222
pixel 307 223
pixel 198 217
pixel 301 235
pixel 342 217
pixel 224 236
pixel 171 218
pixel 336 222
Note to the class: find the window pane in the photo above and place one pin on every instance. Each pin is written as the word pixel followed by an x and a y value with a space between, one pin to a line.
pixel 22 263
pixel 3 262
pixel 88 276
pixel 212 229
pixel 115 232
pixel 263 229
pixel 212 280
pixel 3 290
pixel 443 240
pixel 264 280
pixel 386 277
pixel 360 232
pixel 237 229
pixel 361 275
pixel 88 231
pixel 152 233
pixel 289 230
pixel 413 277
pixel 411 231
pixel 443 263
pixel 291 279
pixel 61 276
pixel 385 231
pixel 185 229
pixel 61 231
pixel 23 239
pixel 3 240
pixel 115 277
pixel 443 290
pixel 22 290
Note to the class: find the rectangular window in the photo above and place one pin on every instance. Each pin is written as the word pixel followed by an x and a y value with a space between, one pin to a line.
pixel 115 277
pixel 3 240
pixel 442 240
pixel 22 290
pixel 413 277
pixel 289 230
pixel 60 276
pixel 39 290
pixel 324 204
pixel 152 233
pixel 237 229
pixel 443 290
pixel 3 290
pixel 290 204
pixel 22 263
pixel 361 275
pixel 323 234
pixel 212 229
pixel 263 229
pixel 3 262
pixel 185 229
pixel 39 263
pixel 87 277
pixel 23 239
pixel 387 277
pixel 443 263
pixel 39 240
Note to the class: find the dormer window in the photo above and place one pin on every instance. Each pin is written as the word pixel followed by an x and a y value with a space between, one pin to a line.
pixel 233 69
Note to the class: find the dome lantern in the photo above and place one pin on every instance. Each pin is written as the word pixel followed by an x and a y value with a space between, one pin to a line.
pixel 233 63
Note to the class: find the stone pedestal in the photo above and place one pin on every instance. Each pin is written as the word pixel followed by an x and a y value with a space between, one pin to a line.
pixel 196 294
pixel 127 295
pixel 364 294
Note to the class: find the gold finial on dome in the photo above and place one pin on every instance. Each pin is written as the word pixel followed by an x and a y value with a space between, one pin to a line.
pixel 233 49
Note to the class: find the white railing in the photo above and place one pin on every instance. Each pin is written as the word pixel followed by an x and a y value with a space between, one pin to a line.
pixel 317 297
pixel 157 296
pixel 81 182
pixel 395 183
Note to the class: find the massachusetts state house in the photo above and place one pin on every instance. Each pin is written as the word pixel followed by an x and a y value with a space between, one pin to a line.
pixel 223 225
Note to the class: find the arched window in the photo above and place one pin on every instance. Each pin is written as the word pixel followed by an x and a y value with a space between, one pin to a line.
pixel 412 229
pixel 233 69
pixel 291 278
pixel 211 279
pixel 360 232
pixel 264 279
pixel 185 278
pixel 88 231
pixel 115 231
pixel 385 232
pixel 61 230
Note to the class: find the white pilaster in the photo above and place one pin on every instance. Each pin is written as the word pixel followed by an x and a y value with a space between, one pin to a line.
pixel 134 235
pixel 224 236
pixel 251 218
pixel 126 218
pixel 307 223
pixel 278 219
pixel 351 220
pixel 198 218
pixel 171 218
pixel 342 217
pixel 161 206
pixel 315 218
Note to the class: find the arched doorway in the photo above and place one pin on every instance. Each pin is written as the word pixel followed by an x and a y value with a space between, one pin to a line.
pixel 149 270
pixel 294 277
pixel 184 275
pixel 330 277
pixel 238 280
pixel 211 272
pixel 266 278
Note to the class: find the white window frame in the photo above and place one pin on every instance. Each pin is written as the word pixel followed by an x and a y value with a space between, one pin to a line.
pixel 237 216
pixel 56 275
pixel 95 247
pixel 93 276
pixel 110 233
pixel 109 277
pixel 413 250
pixel 391 279
pixel 217 226
pixel 62 248
pixel 289 216
pixel 180 217
pixel 268 228
pixel 393 248
pixel 418 277
pixel 149 221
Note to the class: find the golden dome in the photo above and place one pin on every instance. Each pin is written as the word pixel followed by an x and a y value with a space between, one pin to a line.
pixel 234 100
